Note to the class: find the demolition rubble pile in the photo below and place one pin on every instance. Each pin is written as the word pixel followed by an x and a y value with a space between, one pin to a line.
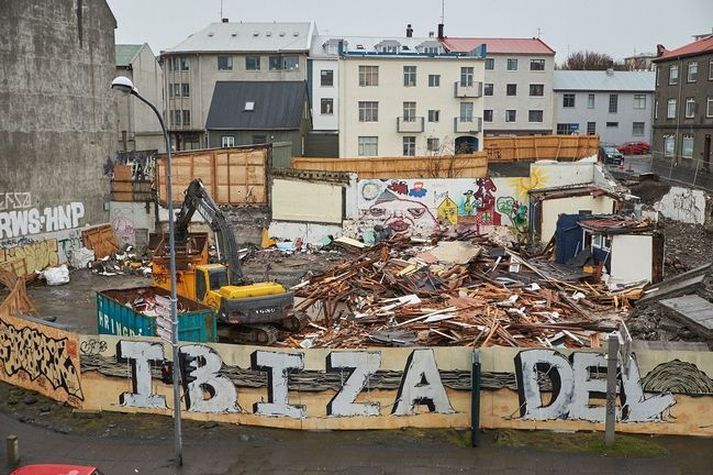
pixel 124 262
pixel 460 290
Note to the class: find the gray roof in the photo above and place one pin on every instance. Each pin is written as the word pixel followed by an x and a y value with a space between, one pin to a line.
pixel 239 37
pixel 370 43
pixel 126 54
pixel 278 105
pixel 640 81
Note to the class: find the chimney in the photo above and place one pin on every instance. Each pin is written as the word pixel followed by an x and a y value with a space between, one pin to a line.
pixel 431 34
pixel 440 31
pixel 409 31
pixel 660 49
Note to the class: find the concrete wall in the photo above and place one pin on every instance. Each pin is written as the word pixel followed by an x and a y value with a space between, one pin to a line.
pixel 307 202
pixel 631 258
pixel 552 208
pixel 499 102
pixel 324 122
pixel 683 204
pixel 57 113
pixel 625 116
pixel 132 222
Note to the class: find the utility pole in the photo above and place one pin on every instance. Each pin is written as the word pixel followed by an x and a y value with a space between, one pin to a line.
pixel 612 360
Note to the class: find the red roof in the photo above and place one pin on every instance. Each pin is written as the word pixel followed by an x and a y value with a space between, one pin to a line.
pixel 691 49
pixel 499 45
pixel 53 470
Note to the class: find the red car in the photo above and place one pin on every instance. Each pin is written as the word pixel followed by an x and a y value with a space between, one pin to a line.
pixel 56 470
pixel 634 148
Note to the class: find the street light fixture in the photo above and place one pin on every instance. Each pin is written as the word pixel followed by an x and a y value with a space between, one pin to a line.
pixel 125 85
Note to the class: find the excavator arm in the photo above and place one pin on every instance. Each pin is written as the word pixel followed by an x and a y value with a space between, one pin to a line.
pixel 197 198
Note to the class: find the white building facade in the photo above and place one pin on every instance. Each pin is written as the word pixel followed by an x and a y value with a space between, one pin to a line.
pixel 616 105
pixel 408 97
pixel 517 86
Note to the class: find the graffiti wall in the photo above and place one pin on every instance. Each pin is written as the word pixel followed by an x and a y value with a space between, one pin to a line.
pixel 40 358
pixel 381 388
pixel 421 206
pixel 26 255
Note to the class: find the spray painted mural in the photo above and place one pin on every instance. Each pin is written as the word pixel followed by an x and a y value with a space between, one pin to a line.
pixel 421 206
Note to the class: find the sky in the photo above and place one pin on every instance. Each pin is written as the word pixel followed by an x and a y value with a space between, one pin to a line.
pixel 619 28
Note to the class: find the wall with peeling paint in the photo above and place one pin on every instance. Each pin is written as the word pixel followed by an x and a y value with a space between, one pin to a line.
pixel 683 204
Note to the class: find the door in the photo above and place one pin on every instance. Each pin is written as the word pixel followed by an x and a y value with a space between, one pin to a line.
pixel 568 237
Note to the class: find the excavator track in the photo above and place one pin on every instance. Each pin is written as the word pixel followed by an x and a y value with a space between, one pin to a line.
pixel 260 334
pixel 295 322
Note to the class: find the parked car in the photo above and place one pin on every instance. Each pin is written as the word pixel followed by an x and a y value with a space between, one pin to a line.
pixel 634 148
pixel 610 155
pixel 56 470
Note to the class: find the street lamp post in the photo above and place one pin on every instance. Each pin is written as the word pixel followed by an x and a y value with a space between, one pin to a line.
pixel 124 84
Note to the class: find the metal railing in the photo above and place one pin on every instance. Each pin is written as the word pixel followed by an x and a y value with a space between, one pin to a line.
pixel 690 171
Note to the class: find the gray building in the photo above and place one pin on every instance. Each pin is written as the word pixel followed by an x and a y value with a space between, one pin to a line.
pixel 57 115
pixel 616 105
pixel 257 112
pixel 227 51
pixel 683 123
pixel 138 127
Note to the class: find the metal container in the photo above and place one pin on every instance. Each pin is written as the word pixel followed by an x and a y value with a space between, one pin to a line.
pixel 116 316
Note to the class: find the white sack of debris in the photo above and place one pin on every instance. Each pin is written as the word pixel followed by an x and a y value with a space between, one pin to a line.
pixel 56 275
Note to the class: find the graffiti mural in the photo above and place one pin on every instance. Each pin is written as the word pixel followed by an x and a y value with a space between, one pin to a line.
pixel 124 230
pixel 24 222
pixel 27 258
pixel 422 206
pixel 40 358
pixel 15 200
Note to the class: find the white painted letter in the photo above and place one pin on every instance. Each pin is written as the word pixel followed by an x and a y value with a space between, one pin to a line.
pixel 635 406
pixel 557 369
pixel 77 213
pixel 139 353
pixel 585 387
pixel 201 364
pixel 421 384
pixel 277 366
pixel 363 364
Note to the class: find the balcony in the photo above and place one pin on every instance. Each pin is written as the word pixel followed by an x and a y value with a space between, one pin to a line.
pixel 414 126
pixel 472 126
pixel 475 89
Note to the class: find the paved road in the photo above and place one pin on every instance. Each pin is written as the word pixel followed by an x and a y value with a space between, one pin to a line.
pixel 248 450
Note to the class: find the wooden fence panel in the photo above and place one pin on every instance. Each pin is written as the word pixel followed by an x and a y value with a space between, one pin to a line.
pixel 540 147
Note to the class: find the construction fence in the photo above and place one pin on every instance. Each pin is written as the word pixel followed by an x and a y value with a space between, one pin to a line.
pixel 686 170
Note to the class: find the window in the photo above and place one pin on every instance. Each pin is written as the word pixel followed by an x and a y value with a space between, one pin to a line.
pixel 431 50
pixel 637 129
pixel 687 146
pixel 567 100
pixel 434 115
pixel 656 109
pixel 409 76
pixel 368 146
pixel 490 63
pixel 326 77
pixel 590 101
pixel 433 144
pixel 368 76
pixel 488 115
pixel 709 107
pixel 184 63
pixel 409 111
pixel 613 103
pixel 658 71
pixel 510 116
pixel 673 74
pixel 710 70
pixel 252 63
pixel 227 141
pixel 671 109
pixel 368 111
pixel 225 63
pixel 692 76
pixel 537 89
pixel 434 80
pixel 176 117
pixel 186 118
pixel 512 64
pixel 567 129
pixel 327 106
pixel 639 101
pixel 690 108
pixel 537 65
pixel 535 116
pixel 613 124
pixel 669 145
pixel 409 146
pixel 249 106
pixel 466 76
pixel 284 63
pixel 591 128
pixel 488 89
pixel 466 112
pixel 511 89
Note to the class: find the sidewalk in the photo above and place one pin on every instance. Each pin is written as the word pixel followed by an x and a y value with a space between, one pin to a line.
pixel 252 450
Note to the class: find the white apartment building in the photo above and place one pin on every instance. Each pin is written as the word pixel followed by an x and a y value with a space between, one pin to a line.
pixel 408 96
pixel 138 127
pixel 617 105
pixel 227 51
pixel 517 86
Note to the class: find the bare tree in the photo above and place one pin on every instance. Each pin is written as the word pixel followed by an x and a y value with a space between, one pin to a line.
pixel 446 162
pixel 592 61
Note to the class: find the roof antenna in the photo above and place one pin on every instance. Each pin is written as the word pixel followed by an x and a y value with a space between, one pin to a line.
pixel 221 10
pixel 539 32
pixel 443 11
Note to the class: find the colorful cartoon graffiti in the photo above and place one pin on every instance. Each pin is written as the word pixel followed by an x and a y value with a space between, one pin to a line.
pixel 480 204
pixel 515 211
pixel 448 210
pixel 522 185
pixel 398 187
pixel 399 214
pixel 417 191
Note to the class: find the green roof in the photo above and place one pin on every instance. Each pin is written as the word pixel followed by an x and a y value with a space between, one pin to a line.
pixel 125 54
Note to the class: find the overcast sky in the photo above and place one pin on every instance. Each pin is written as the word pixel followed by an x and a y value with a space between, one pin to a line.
pixel 616 27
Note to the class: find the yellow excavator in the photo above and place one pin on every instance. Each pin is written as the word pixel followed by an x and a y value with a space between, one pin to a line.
pixel 247 312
